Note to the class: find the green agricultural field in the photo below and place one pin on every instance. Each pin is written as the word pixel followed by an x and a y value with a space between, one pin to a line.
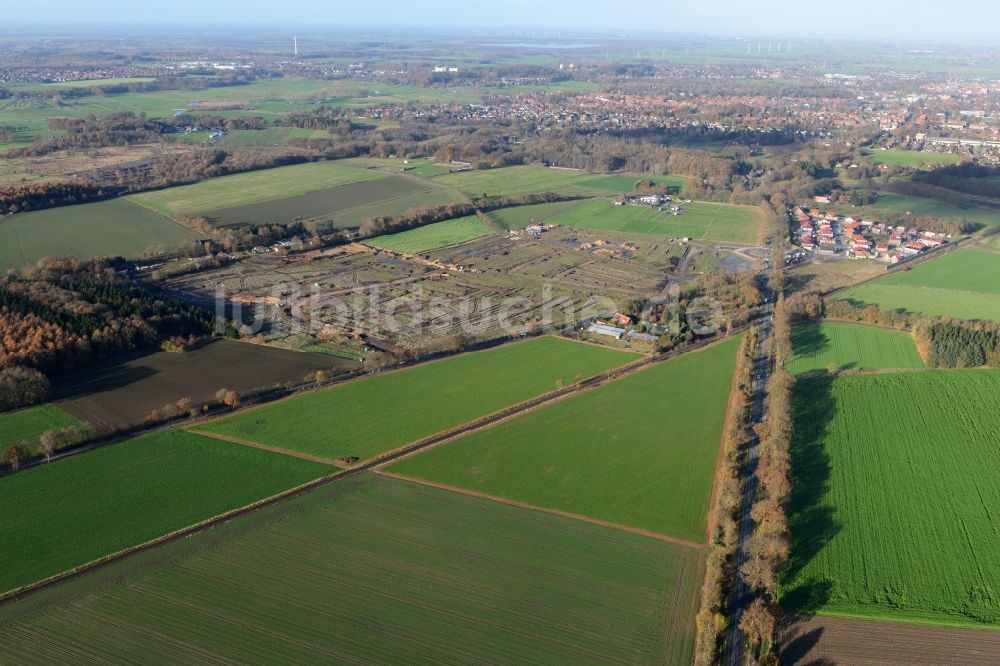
pixel 353 217
pixel 348 205
pixel 375 570
pixel 912 158
pixel 920 207
pixel 69 512
pixel 894 496
pixel 27 425
pixel 268 98
pixel 518 180
pixel 252 187
pixel 433 236
pixel 640 451
pixel 106 228
pixel 273 136
pixel 423 167
pixel 963 284
pixel 927 300
pixel 365 417
pixel 625 184
pixel 963 270
pixel 85 83
pixel 699 220
pixel 518 217
pixel 850 346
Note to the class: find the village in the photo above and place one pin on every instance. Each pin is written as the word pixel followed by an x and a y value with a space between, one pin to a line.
pixel 831 234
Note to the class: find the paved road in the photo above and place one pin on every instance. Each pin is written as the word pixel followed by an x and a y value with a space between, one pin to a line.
pixel 741 597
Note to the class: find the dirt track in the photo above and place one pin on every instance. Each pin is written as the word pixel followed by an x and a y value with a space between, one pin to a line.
pixel 831 640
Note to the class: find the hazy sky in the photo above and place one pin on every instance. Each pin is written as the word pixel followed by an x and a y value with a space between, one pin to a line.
pixel 894 20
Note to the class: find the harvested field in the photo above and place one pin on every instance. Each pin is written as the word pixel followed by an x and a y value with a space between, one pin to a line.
pixel 61 165
pixel 434 236
pixel 893 497
pixel 963 284
pixel 252 187
pixel 824 276
pixel 106 228
pixel 27 425
pixel 699 220
pixel 835 640
pixel 850 347
pixel 639 452
pixel 101 501
pixel 381 196
pixel 125 391
pixel 375 570
pixel 368 416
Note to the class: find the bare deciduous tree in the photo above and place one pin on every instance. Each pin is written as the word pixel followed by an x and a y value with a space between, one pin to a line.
pixel 47 444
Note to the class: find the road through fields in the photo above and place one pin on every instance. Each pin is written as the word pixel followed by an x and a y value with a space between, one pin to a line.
pixel 741 595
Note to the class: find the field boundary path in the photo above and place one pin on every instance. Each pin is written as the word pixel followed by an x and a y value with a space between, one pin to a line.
pixel 543 509
pixel 366 466
pixel 741 596
pixel 265 447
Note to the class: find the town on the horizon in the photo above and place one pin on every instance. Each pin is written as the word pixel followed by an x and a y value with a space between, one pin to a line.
pixel 422 335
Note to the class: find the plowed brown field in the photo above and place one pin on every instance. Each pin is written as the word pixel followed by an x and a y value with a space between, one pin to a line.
pixel 834 640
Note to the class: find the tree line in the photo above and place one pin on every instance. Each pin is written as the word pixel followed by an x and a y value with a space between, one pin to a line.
pixel 35 196
pixel 416 217
pixel 769 546
pixel 966 177
pixel 115 129
pixel 711 621
pixel 66 313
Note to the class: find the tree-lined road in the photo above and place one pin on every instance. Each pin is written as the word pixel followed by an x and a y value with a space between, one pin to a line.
pixel 741 596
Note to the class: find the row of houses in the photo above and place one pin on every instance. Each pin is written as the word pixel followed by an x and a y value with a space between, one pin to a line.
pixel 858 238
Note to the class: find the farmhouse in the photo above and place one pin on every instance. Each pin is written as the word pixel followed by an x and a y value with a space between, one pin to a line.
pixel 621 320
